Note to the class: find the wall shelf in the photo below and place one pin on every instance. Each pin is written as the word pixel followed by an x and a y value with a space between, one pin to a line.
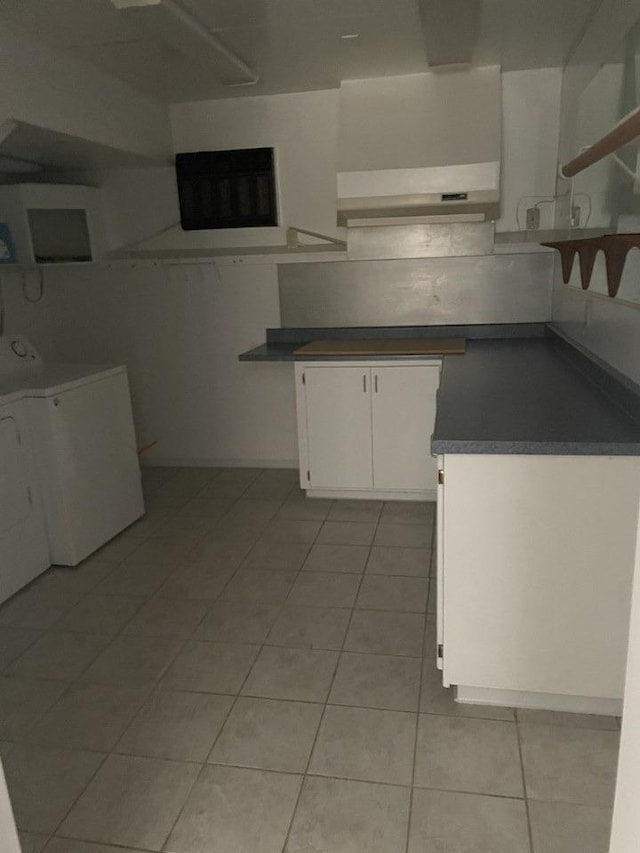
pixel 616 247
pixel 239 254
pixel 331 248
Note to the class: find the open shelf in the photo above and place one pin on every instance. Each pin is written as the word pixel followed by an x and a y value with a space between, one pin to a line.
pixel 239 254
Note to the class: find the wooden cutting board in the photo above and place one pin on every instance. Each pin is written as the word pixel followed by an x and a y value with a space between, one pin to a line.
pixel 386 346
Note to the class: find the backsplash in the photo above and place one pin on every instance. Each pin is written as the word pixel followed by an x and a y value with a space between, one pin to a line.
pixel 410 292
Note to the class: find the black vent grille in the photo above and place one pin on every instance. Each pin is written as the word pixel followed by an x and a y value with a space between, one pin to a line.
pixel 227 189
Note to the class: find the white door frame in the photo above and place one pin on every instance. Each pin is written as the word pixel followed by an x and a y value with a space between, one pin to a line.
pixel 8 833
pixel 625 832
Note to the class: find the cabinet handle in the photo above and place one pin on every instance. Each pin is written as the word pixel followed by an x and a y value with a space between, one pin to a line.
pixel 364 382
pixel 375 383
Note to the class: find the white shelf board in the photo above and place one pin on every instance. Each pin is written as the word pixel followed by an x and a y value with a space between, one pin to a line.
pixel 239 254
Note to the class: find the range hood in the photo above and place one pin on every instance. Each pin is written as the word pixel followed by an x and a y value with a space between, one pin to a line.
pixel 420 148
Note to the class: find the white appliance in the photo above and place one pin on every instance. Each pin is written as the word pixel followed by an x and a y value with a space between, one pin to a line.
pixel 53 223
pixel 24 550
pixel 81 427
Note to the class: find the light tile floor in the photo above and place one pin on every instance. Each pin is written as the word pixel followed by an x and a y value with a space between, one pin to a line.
pixel 247 671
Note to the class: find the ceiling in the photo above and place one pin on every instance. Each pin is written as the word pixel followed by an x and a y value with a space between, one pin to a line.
pixel 298 45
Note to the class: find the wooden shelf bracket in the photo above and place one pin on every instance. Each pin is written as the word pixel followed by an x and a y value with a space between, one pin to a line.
pixel 627 130
pixel 616 247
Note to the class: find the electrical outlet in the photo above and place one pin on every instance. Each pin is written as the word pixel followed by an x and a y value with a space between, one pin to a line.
pixel 576 214
pixel 533 218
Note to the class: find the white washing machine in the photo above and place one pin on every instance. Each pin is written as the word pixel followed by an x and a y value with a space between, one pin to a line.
pixel 24 550
pixel 81 429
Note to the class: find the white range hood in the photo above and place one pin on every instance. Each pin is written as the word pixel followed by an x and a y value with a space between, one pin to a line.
pixel 420 148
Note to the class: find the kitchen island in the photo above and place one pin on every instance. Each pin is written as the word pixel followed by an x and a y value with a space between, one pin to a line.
pixel 539 482
pixel 538 448
pixel 536 396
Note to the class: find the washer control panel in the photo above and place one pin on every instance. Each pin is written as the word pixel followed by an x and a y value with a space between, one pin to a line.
pixel 17 353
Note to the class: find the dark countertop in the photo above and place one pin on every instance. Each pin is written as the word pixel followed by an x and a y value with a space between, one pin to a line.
pixel 281 343
pixel 519 388
pixel 531 396
pixel 271 352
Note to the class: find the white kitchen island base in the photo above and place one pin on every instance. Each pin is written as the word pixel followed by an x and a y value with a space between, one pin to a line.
pixel 535 563
pixel 539 701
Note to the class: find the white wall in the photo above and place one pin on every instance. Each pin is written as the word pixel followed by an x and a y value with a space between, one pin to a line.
pixel 138 203
pixel 9 842
pixel 31 319
pixel 48 88
pixel 303 129
pixel 530 127
pixel 626 818
pixel 608 327
pixel 603 35
pixel 179 329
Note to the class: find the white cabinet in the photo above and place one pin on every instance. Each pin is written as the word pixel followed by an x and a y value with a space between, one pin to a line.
pixel 535 564
pixel 23 541
pixel 85 448
pixel 364 428
pixel 338 426
pixel 404 410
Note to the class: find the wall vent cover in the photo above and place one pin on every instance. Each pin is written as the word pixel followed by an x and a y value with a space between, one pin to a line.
pixel 227 189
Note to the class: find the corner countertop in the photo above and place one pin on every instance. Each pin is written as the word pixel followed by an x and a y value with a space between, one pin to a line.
pixel 532 397
pixel 520 388
pixel 281 344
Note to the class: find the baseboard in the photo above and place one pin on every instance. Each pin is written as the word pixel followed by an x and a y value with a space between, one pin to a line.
pixel 539 701
pixel 149 461
pixel 371 495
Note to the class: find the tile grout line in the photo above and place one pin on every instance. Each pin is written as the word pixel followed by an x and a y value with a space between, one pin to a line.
pixel 150 597
pixel 306 774
pixel 238 694
pixel 262 645
pixel 206 763
pixel 420 681
pixel 156 687
pixel 101 764
pixel 524 783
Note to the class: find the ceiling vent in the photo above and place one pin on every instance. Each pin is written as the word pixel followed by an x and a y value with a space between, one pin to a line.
pixel 422 147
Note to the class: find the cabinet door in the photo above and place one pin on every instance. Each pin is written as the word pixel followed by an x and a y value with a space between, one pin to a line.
pixel 23 544
pixel 15 505
pixel 338 410
pixel 404 411
pixel 538 565
pixel 439 579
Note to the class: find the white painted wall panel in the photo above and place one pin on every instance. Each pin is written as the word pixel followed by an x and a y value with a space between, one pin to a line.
pixel 303 129
pixel 530 127
pixel 32 320
pixel 179 330
pixel 626 818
